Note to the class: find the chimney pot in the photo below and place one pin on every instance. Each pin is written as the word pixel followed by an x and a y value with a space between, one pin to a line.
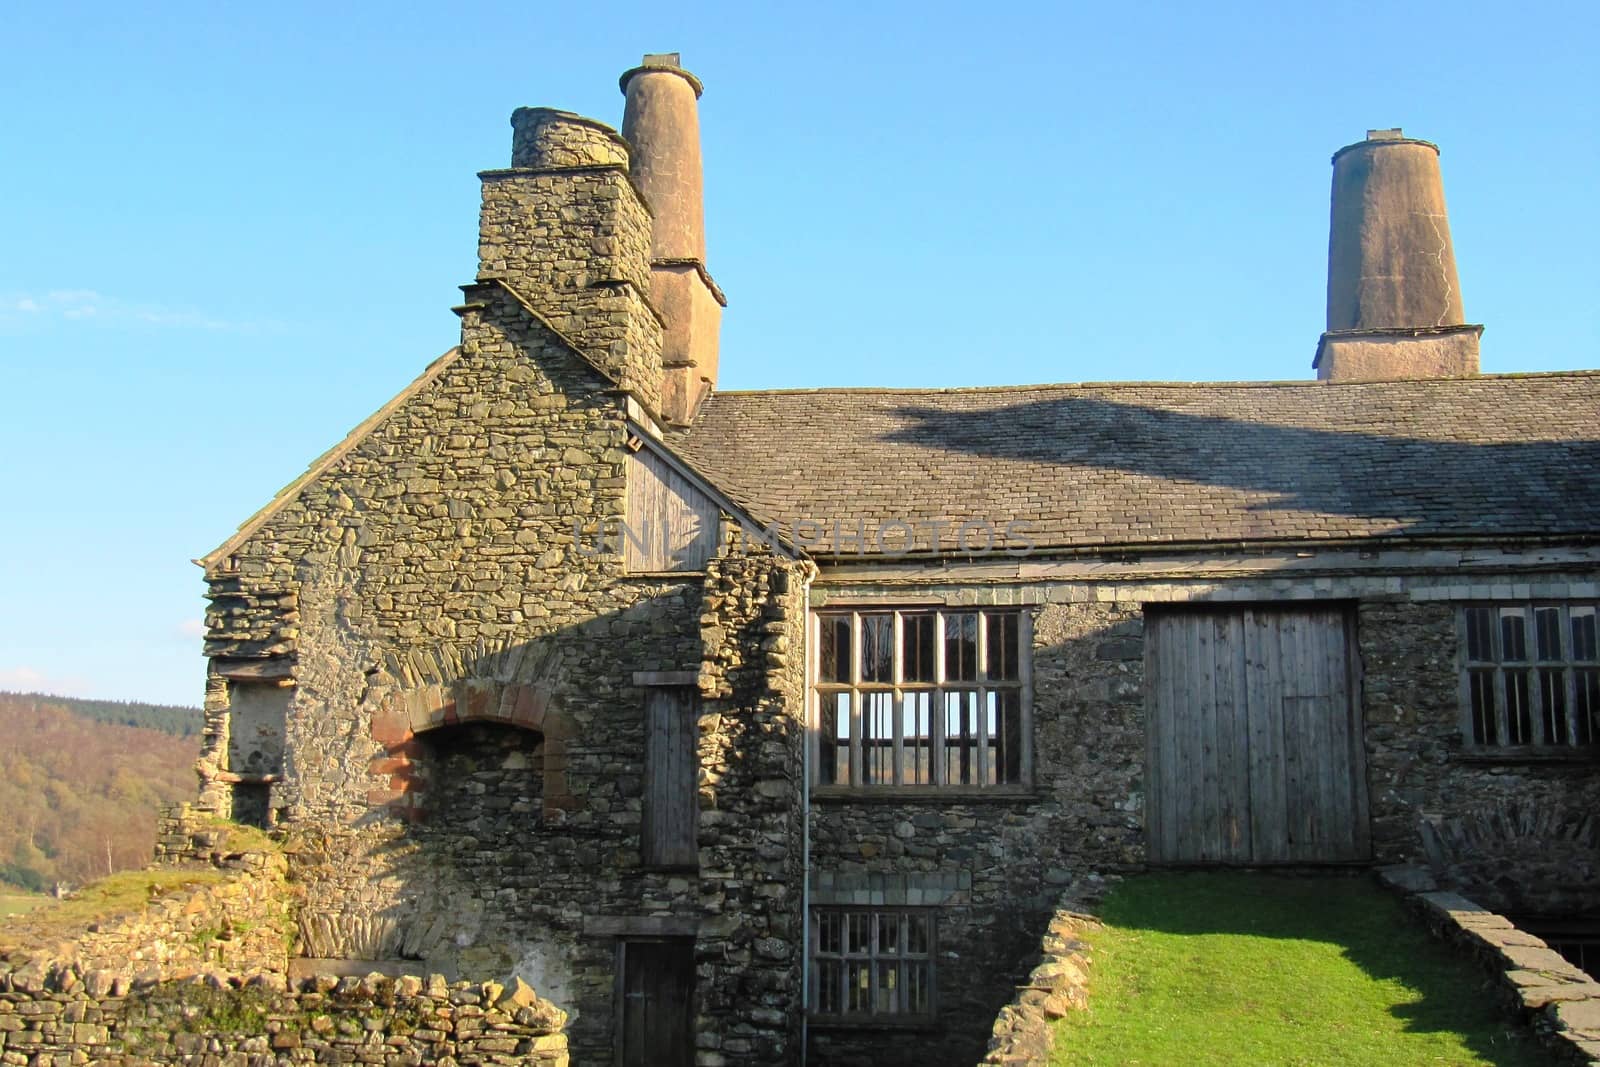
pixel 1394 302
pixel 661 123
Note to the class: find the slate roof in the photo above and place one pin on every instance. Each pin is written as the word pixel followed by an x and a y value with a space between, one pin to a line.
pixel 1141 464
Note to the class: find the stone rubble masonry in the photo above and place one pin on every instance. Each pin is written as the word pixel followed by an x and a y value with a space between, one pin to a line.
pixel 1025 1031
pixel 1519 836
pixel 1539 986
pixel 256 1020
pixel 441 601
pixel 573 242
pixel 199 975
pixel 244 923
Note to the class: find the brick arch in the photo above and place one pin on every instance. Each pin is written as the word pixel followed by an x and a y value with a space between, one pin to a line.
pixel 403 717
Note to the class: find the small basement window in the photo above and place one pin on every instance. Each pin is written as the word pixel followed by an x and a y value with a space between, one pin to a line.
pixel 921 698
pixel 872 964
pixel 1530 675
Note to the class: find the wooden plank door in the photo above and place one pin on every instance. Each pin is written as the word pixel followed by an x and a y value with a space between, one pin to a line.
pixel 670 816
pixel 656 1015
pixel 1255 751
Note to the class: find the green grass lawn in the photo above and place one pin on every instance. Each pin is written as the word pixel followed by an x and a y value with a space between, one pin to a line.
pixel 19 902
pixel 1209 969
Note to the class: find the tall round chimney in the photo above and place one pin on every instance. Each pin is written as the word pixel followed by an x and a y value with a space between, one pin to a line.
pixel 661 122
pixel 1394 302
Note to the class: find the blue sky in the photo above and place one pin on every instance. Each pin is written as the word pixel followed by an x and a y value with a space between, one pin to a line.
pixel 232 231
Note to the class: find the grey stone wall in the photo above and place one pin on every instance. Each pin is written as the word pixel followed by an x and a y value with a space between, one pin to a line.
pixel 575 244
pixel 444 617
pixel 1517 835
pixel 1521 834
pixel 996 866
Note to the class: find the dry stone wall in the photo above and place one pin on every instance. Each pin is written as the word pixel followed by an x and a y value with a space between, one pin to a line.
pixel 255 1022
pixel 1025 1031
pixel 1560 1002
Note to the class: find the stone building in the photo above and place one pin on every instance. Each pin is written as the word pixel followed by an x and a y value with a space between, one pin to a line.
pixel 768 727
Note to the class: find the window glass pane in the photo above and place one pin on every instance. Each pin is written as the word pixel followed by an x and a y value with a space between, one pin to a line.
pixel 877 648
pixel 1480 643
pixel 1519 721
pixel 1553 705
pixel 834 648
pixel 961 737
pixel 860 987
pixel 1004 712
pixel 1586 707
pixel 833 739
pixel 918 1001
pixel 889 934
pixel 877 738
pixel 916 648
pixel 1584 645
pixel 961 647
pixel 917 934
pixel 1513 634
pixel 887 1001
pixel 830 977
pixel 1547 633
pixel 1002 636
pixel 916 733
pixel 858 932
pixel 830 932
pixel 1481 686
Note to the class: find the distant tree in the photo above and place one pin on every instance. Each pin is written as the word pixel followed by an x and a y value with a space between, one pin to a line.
pixel 79 793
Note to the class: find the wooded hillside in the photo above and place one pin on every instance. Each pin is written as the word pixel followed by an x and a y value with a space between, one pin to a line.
pixel 80 790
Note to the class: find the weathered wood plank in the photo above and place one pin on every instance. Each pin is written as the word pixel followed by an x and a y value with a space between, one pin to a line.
pixel 670 816
pixel 671 525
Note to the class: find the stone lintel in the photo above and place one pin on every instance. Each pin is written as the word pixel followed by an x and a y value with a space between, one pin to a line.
pixel 640 925
pixel 666 678
pixel 277 669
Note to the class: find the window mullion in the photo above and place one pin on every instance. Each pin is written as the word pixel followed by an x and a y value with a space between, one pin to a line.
pixel 1535 683
pixel 936 713
pixel 1025 700
pixel 856 769
pixel 896 711
pixel 982 675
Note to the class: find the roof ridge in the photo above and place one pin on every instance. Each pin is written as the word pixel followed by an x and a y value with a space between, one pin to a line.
pixel 1277 384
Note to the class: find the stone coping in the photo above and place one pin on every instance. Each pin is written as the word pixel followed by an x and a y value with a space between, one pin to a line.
pixel 1559 1001
pixel 1025 1029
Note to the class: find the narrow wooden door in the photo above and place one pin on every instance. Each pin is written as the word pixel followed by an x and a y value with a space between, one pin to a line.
pixel 1255 750
pixel 656 1016
pixel 670 819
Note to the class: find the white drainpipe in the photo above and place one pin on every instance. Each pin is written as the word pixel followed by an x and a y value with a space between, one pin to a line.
pixel 805 820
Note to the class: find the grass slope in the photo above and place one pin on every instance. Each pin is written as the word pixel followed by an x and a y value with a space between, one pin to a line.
pixel 1206 969
pixel 19 902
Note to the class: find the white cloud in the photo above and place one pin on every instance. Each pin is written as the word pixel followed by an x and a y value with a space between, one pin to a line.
pixel 192 628
pixel 80 305
pixel 29 680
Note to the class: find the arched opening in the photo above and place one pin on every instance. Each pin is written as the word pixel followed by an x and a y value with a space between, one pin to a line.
pixel 482 781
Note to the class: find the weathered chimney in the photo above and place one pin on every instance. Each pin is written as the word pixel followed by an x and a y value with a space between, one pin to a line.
pixel 565 229
pixel 661 123
pixel 1394 304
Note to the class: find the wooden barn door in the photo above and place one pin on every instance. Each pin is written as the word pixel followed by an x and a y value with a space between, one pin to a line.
pixel 655 1022
pixel 1255 751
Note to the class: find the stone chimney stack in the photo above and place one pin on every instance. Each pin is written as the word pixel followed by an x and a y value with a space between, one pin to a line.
pixel 661 123
pixel 566 231
pixel 1394 303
